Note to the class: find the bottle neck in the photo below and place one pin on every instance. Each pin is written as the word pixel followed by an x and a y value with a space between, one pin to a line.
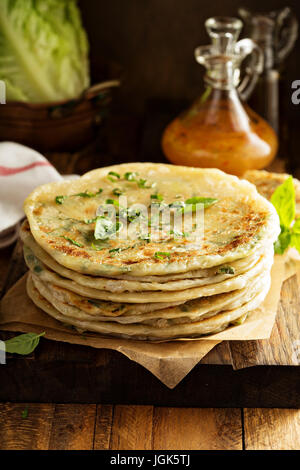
pixel 221 73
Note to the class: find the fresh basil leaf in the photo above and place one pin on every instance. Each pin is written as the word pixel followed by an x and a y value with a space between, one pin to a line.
pixel 24 413
pixel 295 242
pixel 283 199
pixel 22 344
pixel 296 226
pixel 283 241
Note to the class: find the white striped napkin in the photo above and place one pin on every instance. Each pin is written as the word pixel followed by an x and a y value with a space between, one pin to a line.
pixel 21 170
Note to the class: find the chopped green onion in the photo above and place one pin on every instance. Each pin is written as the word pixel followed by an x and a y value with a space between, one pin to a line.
pixel 97 248
pixel 162 254
pixel 226 270
pixel 142 183
pixel 206 201
pixel 59 199
pixel 157 196
pixel 113 176
pixel 112 201
pixel 117 192
pixel 90 221
pixel 130 176
pixel 72 241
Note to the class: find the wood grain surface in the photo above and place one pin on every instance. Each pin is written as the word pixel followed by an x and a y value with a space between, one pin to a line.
pixel 271 429
pixel 100 427
pixel 197 428
pixel 280 347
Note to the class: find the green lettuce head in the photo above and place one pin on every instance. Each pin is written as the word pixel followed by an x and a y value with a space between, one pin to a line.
pixel 43 50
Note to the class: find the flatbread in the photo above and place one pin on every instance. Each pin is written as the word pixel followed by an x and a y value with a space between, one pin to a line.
pixel 266 182
pixel 119 286
pixel 79 307
pixel 240 223
pixel 133 284
pixel 207 326
pixel 237 282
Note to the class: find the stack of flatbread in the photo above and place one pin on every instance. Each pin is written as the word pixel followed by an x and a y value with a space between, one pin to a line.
pixel 149 251
pixel 266 182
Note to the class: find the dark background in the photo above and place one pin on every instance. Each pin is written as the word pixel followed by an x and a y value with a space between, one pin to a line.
pixel 154 42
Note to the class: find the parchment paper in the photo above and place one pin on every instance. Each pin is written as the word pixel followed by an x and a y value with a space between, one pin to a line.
pixel 170 362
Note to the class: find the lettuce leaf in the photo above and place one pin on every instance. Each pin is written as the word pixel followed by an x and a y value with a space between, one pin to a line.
pixel 43 50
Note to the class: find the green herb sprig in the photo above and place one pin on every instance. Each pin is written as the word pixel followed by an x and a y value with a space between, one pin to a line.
pixel 22 344
pixel 194 201
pixel 283 199
pixel 24 413
pixel 60 199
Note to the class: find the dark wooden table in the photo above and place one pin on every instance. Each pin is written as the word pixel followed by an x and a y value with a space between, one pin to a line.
pixel 122 427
